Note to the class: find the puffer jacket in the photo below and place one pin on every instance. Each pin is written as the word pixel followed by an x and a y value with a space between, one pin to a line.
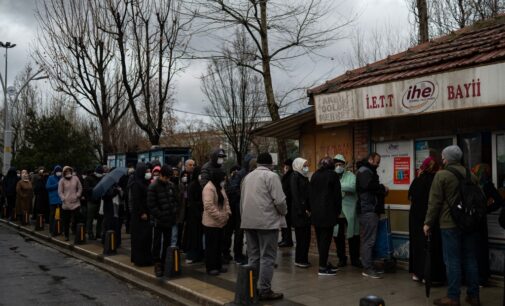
pixel 162 202
pixel 213 215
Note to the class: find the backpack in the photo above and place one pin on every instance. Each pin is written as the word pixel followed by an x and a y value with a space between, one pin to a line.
pixel 469 209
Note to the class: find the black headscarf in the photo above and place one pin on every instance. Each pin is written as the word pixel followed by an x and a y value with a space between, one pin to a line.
pixel 216 179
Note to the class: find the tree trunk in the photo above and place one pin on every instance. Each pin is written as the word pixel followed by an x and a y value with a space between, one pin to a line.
pixel 107 146
pixel 422 13
pixel 272 106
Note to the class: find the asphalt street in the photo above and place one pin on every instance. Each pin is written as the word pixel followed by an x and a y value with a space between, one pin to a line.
pixel 33 274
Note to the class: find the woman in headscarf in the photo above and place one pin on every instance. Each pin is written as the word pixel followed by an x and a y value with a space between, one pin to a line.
pixel 9 188
pixel 494 202
pixel 194 227
pixel 24 196
pixel 418 194
pixel 140 227
pixel 300 214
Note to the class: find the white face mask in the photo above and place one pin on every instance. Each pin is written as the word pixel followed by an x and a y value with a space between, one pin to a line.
pixel 220 161
pixel 131 170
pixel 200 178
pixel 68 176
pixel 84 177
pixel 222 184
pixel 98 174
pixel 148 176
pixel 305 169
pixel 58 173
pixel 184 179
pixel 339 169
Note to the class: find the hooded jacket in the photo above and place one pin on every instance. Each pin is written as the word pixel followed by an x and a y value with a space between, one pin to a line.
pixel 10 182
pixel 233 185
pixel 325 198
pixel 52 186
pixel 370 191
pixel 210 167
pixel 69 191
pixel 137 188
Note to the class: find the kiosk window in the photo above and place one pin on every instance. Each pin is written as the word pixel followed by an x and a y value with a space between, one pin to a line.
pixel 430 147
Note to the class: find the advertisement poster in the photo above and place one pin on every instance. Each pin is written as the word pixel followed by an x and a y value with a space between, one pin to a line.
pixel 401 170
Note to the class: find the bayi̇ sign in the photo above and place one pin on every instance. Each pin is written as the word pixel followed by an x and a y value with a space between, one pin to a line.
pixel 468 88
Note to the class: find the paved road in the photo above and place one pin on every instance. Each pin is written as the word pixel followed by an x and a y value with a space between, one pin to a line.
pixel 32 274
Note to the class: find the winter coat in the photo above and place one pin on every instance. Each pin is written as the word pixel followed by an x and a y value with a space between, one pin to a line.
pixel 10 183
pixel 210 167
pixel 213 214
pixel 325 198
pixel 24 196
pixel 349 199
pixel 69 191
pixel 162 201
pixel 262 201
pixel 299 195
pixel 370 191
pixel 444 190
pixel 52 189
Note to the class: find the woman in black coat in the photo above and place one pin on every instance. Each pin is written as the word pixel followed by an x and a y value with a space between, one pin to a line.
pixel 418 194
pixel 300 211
pixel 140 226
pixel 325 207
pixel 194 227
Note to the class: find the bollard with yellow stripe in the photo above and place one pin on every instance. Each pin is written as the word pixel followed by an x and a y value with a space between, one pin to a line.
pixel 39 225
pixel 172 262
pixel 26 218
pixel 80 234
pixel 245 288
pixel 110 243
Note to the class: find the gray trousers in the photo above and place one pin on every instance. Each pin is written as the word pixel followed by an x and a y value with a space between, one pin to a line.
pixel 262 252
pixel 368 231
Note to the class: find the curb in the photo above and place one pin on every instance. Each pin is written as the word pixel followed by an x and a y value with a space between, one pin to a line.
pixel 174 293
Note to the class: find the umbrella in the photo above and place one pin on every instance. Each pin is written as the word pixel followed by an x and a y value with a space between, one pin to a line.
pixel 427 266
pixel 108 181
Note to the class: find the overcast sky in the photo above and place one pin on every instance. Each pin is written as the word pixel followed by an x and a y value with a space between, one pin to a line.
pixel 18 25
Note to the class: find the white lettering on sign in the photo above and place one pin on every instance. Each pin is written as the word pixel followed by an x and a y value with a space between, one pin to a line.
pixel 468 88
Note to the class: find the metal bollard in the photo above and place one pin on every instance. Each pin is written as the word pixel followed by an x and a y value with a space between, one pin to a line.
pixel 80 234
pixel 109 245
pixel 371 300
pixel 172 262
pixel 39 225
pixel 26 218
pixel 57 227
pixel 245 289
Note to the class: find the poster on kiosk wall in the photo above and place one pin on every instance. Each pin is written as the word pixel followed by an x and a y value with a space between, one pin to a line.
pixel 396 169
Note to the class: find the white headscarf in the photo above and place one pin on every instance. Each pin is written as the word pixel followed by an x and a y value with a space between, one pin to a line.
pixel 298 165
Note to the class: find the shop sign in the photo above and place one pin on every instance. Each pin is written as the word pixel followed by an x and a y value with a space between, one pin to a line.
pixel 463 89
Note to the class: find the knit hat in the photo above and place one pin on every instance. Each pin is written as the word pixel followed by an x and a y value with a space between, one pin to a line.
pixel 57 168
pixel 339 158
pixel 288 162
pixel 264 159
pixel 452 154
pixel 157 169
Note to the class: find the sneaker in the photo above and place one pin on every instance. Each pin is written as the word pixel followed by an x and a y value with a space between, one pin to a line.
pixel 270 296
pixel 379 271
pixel 331 267
pixel 371 273
pixel 302 265
pixel 326 271
pixel 213 272
pixel 189 261
pixel 415 278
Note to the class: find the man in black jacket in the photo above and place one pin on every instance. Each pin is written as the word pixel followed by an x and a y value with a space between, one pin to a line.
pixel 370 204
pixel 162 201
pixel 213 165
pixel 286 234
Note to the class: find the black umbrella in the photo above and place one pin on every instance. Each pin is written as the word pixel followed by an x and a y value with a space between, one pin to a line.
pixel 108 181
pixel 427 266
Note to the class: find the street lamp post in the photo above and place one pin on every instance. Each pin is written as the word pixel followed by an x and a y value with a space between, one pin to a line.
pixel 7 155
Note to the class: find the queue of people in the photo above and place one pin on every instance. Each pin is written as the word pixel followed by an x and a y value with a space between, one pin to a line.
pixel 205 211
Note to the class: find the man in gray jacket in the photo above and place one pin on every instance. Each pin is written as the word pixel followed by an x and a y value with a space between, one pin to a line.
pixel 263 209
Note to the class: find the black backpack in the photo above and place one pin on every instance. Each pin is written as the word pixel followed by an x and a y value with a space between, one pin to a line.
pixel 469 209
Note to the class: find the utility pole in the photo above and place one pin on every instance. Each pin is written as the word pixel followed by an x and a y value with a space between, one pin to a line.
pixel 7 156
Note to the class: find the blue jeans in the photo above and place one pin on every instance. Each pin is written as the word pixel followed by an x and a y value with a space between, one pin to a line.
pixel 460 252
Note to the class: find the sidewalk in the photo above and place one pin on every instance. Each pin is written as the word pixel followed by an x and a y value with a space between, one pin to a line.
pixel 300 286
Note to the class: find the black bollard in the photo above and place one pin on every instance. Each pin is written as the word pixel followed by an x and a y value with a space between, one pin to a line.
pixel 245 288
pixel 57 227
pixel 172 262
pixel 39 225
pixel 109 245
pixel 371 300
pixel 80 234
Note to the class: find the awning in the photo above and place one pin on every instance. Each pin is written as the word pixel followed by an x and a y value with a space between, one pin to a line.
pixel 288 127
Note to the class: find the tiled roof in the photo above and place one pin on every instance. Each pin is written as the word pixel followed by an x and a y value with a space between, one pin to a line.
pixel 479 44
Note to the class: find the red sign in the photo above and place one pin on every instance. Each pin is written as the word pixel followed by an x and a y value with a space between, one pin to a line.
pixel 401 167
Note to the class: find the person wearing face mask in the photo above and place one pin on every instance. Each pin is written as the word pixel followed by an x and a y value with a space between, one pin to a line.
pixel 9 187
pixel 286 233
pixel 194 227
pixel 141 229
pixel 54 198
pixel 371 195
pixel 69 190
pixel 24 195
pixel 155 173
pixel 93 204
pixel 216 211
pixel 213 165
pixel 300 210
pixel 347 223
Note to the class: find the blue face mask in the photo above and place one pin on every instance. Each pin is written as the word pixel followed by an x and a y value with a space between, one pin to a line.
pixel 339 169
pixel 305 170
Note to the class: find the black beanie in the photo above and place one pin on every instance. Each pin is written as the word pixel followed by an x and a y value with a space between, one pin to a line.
pixel 264 159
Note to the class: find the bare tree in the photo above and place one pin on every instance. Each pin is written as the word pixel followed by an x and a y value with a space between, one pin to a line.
pixel 235 95
pixel 81 61
pixel 279 31
pixel 197 135
pixel 151 37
